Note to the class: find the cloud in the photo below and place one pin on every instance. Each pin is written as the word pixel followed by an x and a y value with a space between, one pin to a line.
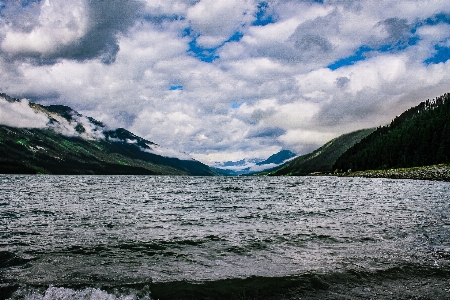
pixel 310 37
pixel 78 125
pixel 217 21
pixel 56 28
pixel 342 82
pixel 296 73
pixel 23 115
pixel 396 28
pixel 20 114
pixel 266 132
pixel 74 30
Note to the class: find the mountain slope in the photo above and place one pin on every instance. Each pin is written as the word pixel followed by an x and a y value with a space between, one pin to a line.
pixel 418 137
pixel 278 158
pixel 73 144
pixel 322 159
pixel 251 166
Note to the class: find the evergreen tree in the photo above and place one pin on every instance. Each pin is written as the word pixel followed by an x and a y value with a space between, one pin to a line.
pixel 418 137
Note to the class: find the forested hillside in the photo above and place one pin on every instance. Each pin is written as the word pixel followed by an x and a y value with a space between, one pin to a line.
pixel 31 151
pixel 418 137
pixel 322 159
pixel 74 144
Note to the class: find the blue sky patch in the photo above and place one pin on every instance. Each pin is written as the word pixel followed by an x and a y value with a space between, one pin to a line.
pixel 236 104
pixel 25 3
pixel 402 43
pixel 399 45
pixel 204 54
pixel 436 19
pixel 361 53
pixel 176 88
pixel 236 37
pixel 263 17
pixel 208 54
pixel 442 55
pixel 350 60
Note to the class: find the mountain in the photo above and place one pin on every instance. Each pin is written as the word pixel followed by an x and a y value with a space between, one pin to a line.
pixel 418 137
pixel 250 166
pixel 322 159
pixel 56 139
pixel 278 158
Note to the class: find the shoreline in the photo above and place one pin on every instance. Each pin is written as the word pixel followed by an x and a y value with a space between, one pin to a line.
pixel 439 172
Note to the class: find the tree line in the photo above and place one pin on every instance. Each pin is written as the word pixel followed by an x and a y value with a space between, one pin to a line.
pixel 418 137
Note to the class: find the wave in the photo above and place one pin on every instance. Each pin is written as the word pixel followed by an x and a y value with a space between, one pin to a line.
pixel 400 282
pixel 9 259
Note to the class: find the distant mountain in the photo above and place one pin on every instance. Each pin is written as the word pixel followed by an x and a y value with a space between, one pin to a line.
pixel 322 159
pixel 56 139
pixel 226 172
pixel 418 137
pixel 278 158
pixel 250 166
pixel 243 163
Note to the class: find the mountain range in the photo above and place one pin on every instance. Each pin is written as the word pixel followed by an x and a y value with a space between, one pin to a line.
pixel 56 139
pixel 62 141
pixel 254 165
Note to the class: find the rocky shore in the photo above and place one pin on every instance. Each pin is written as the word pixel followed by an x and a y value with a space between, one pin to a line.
pixel 437 172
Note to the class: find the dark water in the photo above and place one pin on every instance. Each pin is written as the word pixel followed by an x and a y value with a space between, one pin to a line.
pixel 150 237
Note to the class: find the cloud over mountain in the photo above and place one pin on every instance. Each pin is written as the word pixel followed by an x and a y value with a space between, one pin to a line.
pixel 224 80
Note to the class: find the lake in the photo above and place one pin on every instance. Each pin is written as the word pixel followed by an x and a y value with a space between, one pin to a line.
pixel 175 237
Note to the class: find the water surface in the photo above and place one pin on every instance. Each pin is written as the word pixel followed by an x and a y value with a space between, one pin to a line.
pixel 142 237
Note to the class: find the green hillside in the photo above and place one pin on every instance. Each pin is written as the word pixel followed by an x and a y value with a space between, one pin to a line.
pixel 322 159
pixel 418 137
pixel 104 151
pixel 31 151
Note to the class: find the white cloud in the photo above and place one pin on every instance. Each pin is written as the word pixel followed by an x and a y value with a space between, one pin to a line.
pixel 168 7
pixel 303 139
pixel 217 21
pixel 20 114
pixel 267 91
pixel 79 126
pixel 60 24
pixel 211 157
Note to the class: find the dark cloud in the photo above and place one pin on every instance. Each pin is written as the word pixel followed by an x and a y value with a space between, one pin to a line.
pixel 348 4
pixel 280 52
pixel 266 132
pixel 310 40
pixel 397 29
pixel 159 19
pixel 313 43
pixel 342 82
pixel 350 108
pixel 106 19
pixel 125 117
pixel 259 114
pixel 399 35
pixel 45 98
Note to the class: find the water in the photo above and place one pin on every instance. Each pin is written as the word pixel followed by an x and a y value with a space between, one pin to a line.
pixel 164 237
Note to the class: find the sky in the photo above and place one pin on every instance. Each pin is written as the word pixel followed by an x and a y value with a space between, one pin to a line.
pixel 227 80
